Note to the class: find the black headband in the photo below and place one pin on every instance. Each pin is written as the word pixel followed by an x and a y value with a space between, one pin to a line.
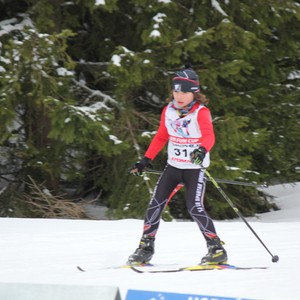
pixel 181 84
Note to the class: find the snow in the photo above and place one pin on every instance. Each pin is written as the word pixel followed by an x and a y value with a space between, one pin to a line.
pixel 216 5
pixel 200 32
pixel 116 60
pixel 294 75
pixel 100 2
pixel 64 72
pixel 158 19
pixel 115 139
pixel 7 27
pixel 47 251
pixel 154 33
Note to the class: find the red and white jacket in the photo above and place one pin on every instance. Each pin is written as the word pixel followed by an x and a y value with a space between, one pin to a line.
pixel 183 136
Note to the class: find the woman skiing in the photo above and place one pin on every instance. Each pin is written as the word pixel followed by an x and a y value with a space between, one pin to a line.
pixel 187 127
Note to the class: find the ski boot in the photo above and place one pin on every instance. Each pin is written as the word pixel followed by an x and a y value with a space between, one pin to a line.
pixel 216 253
pixel 143 253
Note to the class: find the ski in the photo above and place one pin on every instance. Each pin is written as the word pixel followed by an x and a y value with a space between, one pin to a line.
pixel 152 269
pixel 126 266
pixel 169 268
pixel 84 269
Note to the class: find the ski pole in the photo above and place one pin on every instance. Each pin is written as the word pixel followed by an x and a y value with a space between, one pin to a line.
pixel 275 258
pixel 264 185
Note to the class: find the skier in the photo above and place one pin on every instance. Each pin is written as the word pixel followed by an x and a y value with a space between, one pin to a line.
pixel 187 127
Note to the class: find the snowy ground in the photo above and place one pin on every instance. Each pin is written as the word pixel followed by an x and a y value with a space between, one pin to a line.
pixel 48 251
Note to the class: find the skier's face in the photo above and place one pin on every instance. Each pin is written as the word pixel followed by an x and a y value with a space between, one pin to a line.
pixel 183 98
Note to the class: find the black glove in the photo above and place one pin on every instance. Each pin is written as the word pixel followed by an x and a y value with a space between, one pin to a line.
pixel 197 156
pixel 137 168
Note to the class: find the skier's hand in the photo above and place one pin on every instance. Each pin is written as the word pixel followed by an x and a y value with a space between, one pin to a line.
pixel 138 168
pixel 197 156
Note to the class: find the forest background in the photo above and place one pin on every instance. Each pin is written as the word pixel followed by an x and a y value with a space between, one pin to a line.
pixel 83 83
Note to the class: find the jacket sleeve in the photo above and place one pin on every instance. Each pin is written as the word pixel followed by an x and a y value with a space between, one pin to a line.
pixel 160 139
pixel 206 127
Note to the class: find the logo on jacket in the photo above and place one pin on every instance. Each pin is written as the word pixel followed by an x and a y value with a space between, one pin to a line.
pixel 181 127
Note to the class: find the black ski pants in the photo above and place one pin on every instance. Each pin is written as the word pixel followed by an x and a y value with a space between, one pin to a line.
pixel 194 182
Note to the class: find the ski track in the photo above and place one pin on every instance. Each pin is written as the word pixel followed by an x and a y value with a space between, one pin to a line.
pixel 49 251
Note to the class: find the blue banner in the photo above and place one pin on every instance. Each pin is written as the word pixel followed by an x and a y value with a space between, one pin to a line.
pixel 153 295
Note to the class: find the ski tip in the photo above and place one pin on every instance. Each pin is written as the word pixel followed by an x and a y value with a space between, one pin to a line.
pixel 135 269
pixel 80 269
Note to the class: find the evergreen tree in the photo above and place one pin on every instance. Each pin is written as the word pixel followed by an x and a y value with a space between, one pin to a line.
pixel 122 55
pixel 226 45
pixel 51 121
